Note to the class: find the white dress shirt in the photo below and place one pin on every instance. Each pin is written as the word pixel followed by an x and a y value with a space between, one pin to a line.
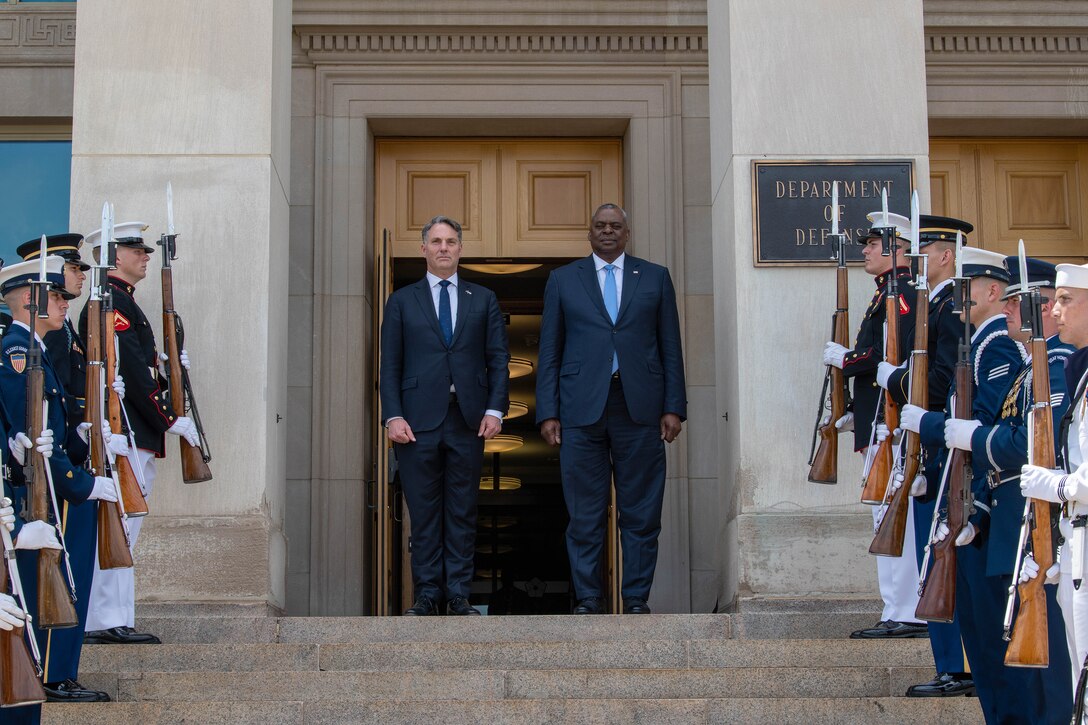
pixel 602 274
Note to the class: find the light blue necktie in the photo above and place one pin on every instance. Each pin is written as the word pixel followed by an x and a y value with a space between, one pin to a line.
pixel 445 313
pixel 611 303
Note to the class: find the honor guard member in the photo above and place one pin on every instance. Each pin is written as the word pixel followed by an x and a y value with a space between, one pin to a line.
pixel 66 350
pixel 1070 490
pixel 113 597
pixel 11 611
pixel 1007 694
pixel 937 240
pixel 897 576
pixel 76 489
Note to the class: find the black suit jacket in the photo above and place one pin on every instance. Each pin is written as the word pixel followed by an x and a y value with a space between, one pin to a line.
pixel 578 338
pixel 417 368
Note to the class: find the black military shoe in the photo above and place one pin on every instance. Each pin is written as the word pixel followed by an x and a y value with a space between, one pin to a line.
pixel 72 691
pixel 635 605
pixel 589 605
pixel 460 606
pixel 892 630
pixel 119 635
pixel 945 684
pixel 424 606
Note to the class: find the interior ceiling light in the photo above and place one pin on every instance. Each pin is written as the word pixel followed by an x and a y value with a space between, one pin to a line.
pixel 506 483
pixel 503 442
pixel 517 409
pixel 520 367
pixel 501 268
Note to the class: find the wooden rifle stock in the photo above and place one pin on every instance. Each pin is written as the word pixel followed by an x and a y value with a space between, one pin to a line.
pixel 938 600
pixel 19 683
pixel 1028 646
pixel 890 535
pixel 876 483
pixel 132 496
pixel 113 551
pixel 55 609
pixel 194 463
pixel 825 461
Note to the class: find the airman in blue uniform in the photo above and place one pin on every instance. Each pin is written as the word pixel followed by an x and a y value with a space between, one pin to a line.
pixel 77 490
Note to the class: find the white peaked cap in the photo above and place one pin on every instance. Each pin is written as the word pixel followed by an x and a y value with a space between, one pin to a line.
pixel 900 222
pixel 1072 275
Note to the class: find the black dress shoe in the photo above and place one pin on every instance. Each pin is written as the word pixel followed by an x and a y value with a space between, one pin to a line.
pixel 945 684
pixel 589 605
pixel 635 605
pixel 424 606
pixel 119 635
pixel 892 630
pixel 72 691
pixel 459 606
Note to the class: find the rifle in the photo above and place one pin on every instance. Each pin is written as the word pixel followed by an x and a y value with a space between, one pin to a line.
pixel 1078 700
pixel 194 459
pixel 890 534
pixel 55 600
pixel 20 667
pixel 880 470
pixel 824 461
pixel 1028 640
pixel 937 601
pixel 113 538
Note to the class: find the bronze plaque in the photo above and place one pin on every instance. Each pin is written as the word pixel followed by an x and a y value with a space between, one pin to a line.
pixel 792 213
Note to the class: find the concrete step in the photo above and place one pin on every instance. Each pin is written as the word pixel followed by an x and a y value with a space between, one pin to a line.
pixel 455 684
pixel 579 655
pixel 776 711
pixel 751 625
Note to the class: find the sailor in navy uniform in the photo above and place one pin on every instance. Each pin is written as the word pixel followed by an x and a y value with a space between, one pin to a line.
pixel 898 576
pixel 113 598
pixel 1007 694
pixel 77 490
pixel 66 350
pixel 1070 490
pixel 937 240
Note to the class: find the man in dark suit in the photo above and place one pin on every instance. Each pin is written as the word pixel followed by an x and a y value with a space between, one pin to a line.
pixel 444 383
pixel 610 388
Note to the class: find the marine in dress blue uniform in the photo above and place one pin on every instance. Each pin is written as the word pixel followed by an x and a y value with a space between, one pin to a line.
pixel 937 239
pixel 75 487
pixel 1007 694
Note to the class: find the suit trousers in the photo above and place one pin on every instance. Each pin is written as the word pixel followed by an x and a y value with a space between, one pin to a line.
pixel 440 474
pixel 590 457
pixel 113 592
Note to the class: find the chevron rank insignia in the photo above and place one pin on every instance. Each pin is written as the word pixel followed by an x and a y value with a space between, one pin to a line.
pixel 120 322
pixel 18 362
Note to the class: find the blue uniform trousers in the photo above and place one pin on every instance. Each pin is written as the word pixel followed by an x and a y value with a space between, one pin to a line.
pixel 944 637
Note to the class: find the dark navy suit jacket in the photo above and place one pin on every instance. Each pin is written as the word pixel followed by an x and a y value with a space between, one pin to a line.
pixel 417 368
pixel 578 339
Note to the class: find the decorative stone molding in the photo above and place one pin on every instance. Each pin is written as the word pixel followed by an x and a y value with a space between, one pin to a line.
pixel 1007 45
pixel 355 46
pixel 31 36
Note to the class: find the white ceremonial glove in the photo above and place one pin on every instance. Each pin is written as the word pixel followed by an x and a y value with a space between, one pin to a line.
pixel 834 354
pixel 183 358
pixel 84 431
pixel 918 488
pixel 11 615
pixel 7 514
pixel 44 443
pixel 18 446
pixel 37 535
pixel 884 372
pixel 119 386
pixel 966 536
pixel 957 433
pixel 186 428
pixel 1047 484
pixel 1030 569
pixel 845 423
pixel 103 490
pixel 882 433
pixel 910 418
pixel 117 443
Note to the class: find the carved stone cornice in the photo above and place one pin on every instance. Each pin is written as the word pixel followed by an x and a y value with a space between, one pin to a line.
pixel 489 45
pixel 1049 46
pixel 37 36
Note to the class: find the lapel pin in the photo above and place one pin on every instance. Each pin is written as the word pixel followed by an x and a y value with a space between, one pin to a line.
pixel 634 271
pixel 468 292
